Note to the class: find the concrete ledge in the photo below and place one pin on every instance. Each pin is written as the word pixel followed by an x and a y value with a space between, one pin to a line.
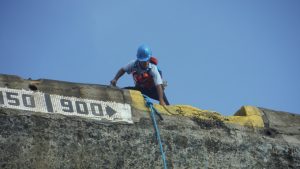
pixel 247 116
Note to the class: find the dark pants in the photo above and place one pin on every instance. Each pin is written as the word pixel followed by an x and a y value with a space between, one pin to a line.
pixel 152 93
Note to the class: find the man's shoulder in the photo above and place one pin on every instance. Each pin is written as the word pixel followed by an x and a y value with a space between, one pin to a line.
pixel 151 65
pixel 153 68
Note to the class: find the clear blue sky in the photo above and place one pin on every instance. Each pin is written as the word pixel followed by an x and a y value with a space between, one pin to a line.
pixel 215 54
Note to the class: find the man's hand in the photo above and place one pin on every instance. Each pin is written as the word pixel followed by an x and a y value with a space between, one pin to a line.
pixel 162 103
pixel 113 82
pixel 160 95
pixel 118 75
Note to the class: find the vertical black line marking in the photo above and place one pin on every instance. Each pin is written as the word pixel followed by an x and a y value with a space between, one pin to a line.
pixel 1 98
pixel 48 102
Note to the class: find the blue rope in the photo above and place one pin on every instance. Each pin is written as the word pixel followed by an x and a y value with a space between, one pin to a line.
pixel 152 109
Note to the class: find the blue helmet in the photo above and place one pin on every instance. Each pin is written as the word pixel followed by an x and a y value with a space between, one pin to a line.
pixel 144 53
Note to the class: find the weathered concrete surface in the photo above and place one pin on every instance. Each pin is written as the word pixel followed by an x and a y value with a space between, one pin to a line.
pixel 36 140
pixel 282 124
pixel 89 91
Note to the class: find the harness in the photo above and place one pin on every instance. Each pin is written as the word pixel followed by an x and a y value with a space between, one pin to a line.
pixel 142 78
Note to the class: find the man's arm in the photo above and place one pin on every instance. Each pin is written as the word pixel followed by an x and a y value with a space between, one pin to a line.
pixel 118 75
pixel 160 95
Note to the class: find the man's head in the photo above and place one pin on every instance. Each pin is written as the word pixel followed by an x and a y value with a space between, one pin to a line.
pixel 143 56
pixel 144 53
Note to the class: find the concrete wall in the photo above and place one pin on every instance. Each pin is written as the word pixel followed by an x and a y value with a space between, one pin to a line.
pixel 193 138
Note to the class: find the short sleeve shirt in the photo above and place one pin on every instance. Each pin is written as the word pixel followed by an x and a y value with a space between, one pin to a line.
pixel 132 67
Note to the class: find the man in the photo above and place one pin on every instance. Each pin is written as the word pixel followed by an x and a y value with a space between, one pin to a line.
pixel 146 75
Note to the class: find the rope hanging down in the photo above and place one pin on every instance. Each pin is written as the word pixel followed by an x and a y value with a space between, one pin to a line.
pixel 153 110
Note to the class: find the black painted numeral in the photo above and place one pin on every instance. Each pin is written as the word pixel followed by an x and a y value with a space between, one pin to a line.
pixel 67 104
pixel 78 107
pixel 11 100
pixel 99 108
pixel 31 102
